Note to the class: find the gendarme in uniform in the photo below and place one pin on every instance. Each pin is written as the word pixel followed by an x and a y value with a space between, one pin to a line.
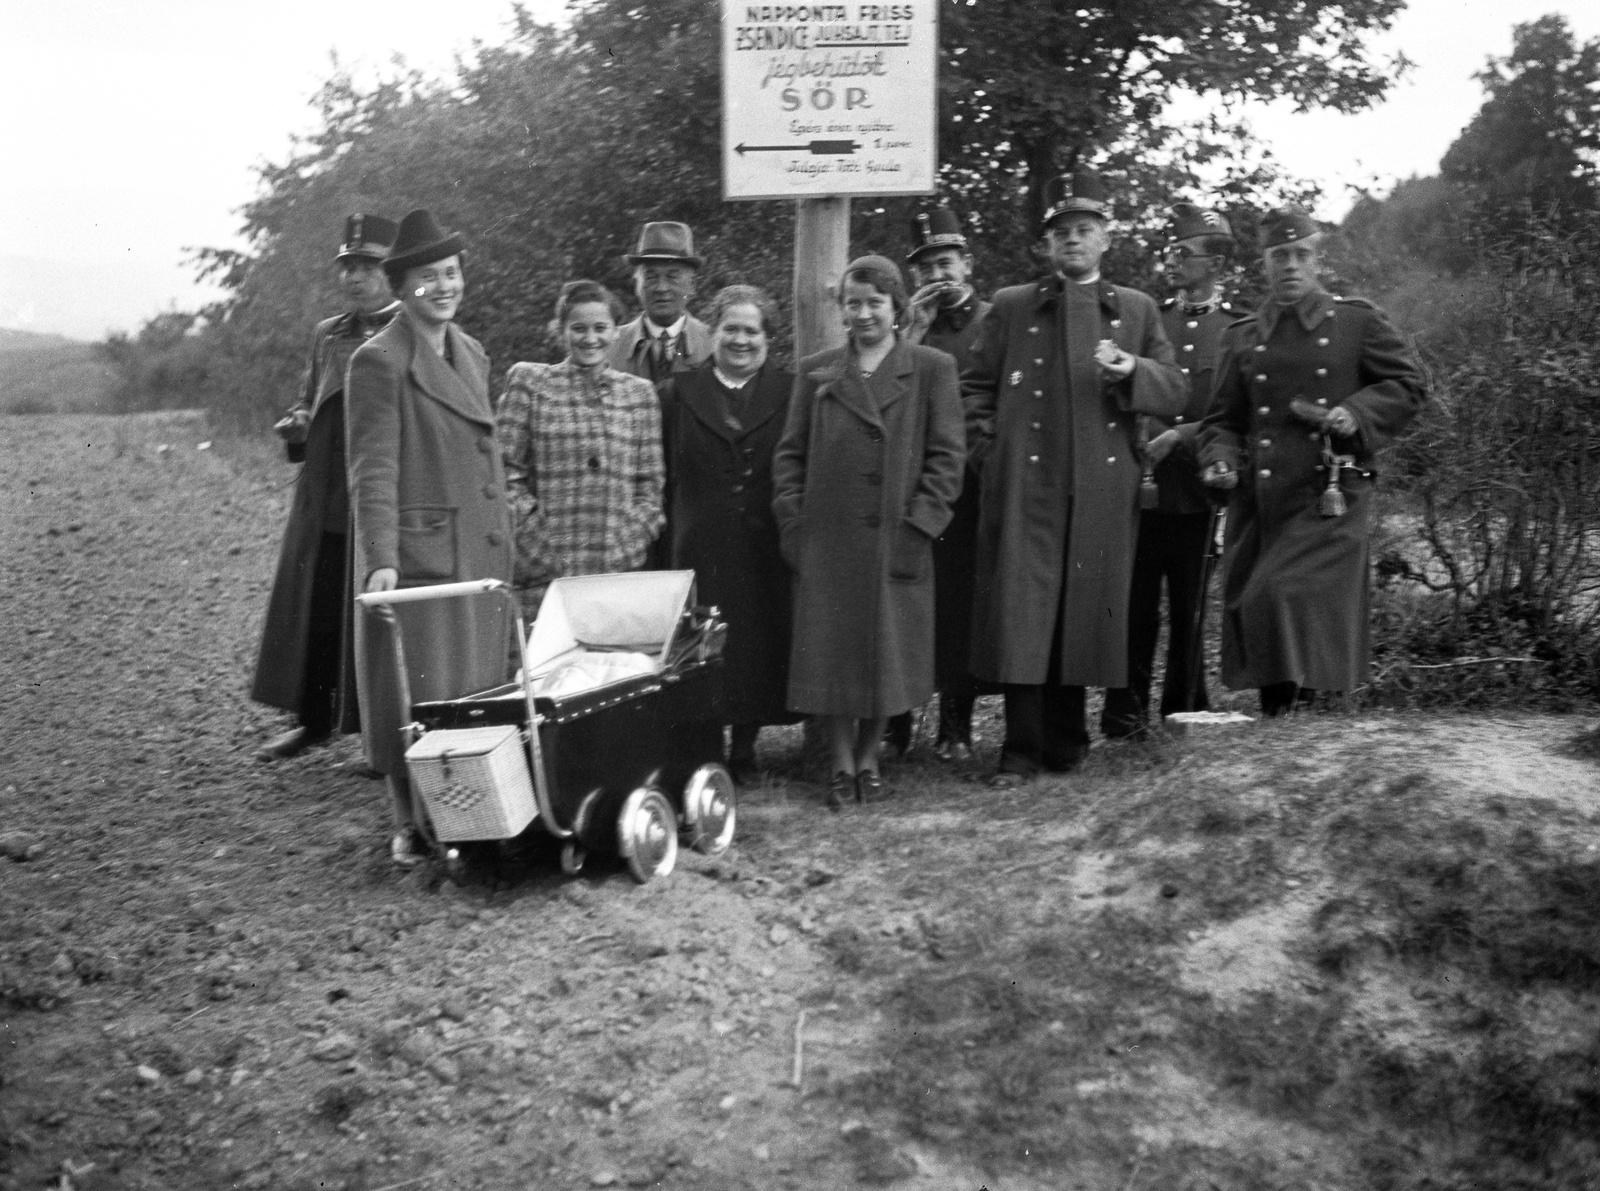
pixel 1303 386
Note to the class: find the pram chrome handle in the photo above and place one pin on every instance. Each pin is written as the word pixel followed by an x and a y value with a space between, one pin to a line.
pixel 437 591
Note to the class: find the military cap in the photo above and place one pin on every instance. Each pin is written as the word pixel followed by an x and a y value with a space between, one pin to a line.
pixel 1286 225
pixel 1082 192
pixel 934 229
pixel 366 237
pixel 1190 222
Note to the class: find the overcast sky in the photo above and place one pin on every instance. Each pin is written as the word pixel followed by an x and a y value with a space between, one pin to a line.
pixel 132 126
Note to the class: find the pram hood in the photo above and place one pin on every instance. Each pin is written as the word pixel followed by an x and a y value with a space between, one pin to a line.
pixel 593 630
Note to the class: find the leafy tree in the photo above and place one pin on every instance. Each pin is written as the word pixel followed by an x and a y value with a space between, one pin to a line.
pixel 550 149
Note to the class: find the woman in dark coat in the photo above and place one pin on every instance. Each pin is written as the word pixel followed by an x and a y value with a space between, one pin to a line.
pixel 428 497
pixel 720 425
pixel 870 462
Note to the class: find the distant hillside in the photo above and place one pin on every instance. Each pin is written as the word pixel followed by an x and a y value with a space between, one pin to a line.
pixel 50 374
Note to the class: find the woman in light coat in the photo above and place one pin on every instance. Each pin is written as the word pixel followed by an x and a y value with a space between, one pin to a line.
pixel 428 500
pixel 869 465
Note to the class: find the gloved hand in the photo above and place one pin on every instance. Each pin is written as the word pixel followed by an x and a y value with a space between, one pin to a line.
pixel 1338 421
pixel 1159 447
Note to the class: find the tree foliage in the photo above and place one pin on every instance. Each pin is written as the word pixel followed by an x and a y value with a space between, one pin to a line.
pixel 550 149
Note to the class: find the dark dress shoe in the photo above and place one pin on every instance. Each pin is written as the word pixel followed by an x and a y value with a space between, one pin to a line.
pixel 953 751
pixel 291 744
pixel 897 734
pixel 869 786
pixel 840 785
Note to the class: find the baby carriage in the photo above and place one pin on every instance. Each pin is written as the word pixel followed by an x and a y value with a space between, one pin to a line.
pixel 610 739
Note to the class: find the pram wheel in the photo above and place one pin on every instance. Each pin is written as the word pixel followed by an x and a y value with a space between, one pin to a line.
pixel 572 857
pixel 709 809
pixel 647 834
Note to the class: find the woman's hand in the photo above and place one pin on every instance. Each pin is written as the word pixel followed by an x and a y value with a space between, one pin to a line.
pixel 383 579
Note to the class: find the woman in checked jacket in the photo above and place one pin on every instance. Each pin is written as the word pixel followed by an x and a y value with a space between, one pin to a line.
pixel 581 443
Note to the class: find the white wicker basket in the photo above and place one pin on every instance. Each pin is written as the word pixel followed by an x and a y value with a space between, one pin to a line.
pixel 474 782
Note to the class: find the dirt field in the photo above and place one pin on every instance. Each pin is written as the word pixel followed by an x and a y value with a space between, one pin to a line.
pixel 1348 952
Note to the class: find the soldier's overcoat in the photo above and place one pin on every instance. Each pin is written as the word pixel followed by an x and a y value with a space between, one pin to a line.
pixel 319 505
pixel 1055 451
pixel 1296 601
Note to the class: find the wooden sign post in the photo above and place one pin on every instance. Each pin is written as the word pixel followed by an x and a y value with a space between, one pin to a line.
pixel 821 102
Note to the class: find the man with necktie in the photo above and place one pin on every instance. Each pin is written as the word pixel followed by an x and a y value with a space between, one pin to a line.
pixel 665 338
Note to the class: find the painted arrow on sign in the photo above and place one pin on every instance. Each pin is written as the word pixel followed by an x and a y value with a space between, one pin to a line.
pixel 814 147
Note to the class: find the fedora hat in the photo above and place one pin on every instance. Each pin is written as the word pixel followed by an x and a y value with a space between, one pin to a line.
pixel 665 242
pixel 933 229
pixel 420 241
pixel 366 237
pixel 1082 192
pixel 1285 225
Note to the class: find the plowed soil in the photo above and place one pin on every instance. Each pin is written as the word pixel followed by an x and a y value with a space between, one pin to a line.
pixel 1200 963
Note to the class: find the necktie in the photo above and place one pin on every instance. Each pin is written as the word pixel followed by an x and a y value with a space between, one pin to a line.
pixel 663 352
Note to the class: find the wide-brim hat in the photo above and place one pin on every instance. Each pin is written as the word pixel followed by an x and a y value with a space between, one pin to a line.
pixel 665 242
pixel 366 237
pixel 421 241
pixel 1287 225
pixel 1082 192
pixel 1190 222
pixel 934 229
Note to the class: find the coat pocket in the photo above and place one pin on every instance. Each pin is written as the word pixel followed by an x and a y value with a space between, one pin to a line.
pixel 909 554
pixel 428 542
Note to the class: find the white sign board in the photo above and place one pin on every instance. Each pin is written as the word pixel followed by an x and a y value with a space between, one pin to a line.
pixel 829 99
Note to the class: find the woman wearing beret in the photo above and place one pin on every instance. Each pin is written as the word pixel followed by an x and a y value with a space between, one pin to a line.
pixel 870 463
pixel 720 423
pixel 428 498
pixel 581 444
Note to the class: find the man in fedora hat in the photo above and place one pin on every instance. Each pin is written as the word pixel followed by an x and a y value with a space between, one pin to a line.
pixel 1175 529
pixel 1308 390
pixel 666 338
pixel 1061 370
pixel 945 311
pixel 305 663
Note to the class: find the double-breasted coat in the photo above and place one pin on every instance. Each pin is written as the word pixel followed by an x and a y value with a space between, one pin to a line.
pixel 1196 338
pixel 1297 597
pixel 720 524
pixel 428 498
pixel 320 506
pixel 1055 452
pixel 863 481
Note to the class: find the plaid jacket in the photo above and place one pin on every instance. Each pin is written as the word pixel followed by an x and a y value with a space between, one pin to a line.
pixel 584 471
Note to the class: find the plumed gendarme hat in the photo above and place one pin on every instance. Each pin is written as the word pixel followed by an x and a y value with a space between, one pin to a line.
pixel 421 241
pixel 934 229
pixel 1190 221
pixel 665 242
pixel 1082 192
pixel 366 237
pixel 1285 225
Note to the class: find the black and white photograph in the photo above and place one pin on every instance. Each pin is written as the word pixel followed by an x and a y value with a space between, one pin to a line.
pixel 957 595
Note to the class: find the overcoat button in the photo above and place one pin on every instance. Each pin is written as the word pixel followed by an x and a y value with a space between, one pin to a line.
pixel 747 472
pixel 1266 442
pixel 1033 330
pixel 494 537
pixel 1038 361
pixel 1116 322
pixel 1111 425
pixel 1266 473
pixel 1033 458
pixel 1038 392
pixel 1322 401
pixel 1323 342
pixel 1261 347
pixel 1260 376
pixel 1191 324
pixel 1185 371
pixel 1036 425
pixel 1322 372
pixel 1263 409
pixel 1179 419
pixel 1111 459
pixel 1188 347
pixel 738 487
